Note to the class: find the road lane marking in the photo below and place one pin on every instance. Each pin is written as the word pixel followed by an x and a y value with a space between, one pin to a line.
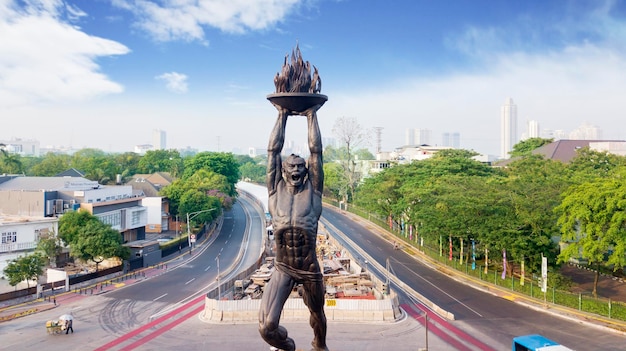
pixel 160 297
pixel 190 280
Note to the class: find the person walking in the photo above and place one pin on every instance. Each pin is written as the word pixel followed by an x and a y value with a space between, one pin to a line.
pixel 68 326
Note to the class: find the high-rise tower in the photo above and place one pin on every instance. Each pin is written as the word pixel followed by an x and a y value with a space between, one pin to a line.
pixel 158 139
pixel 508 127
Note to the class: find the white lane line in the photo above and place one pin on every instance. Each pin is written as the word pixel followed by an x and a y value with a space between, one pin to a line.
pixel 190 280
pixel 160 297
pixel 206 269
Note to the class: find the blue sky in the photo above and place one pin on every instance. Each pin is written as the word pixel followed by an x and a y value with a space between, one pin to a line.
pixel 105 73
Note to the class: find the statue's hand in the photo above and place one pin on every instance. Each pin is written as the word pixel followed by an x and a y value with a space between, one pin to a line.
pixel 310 112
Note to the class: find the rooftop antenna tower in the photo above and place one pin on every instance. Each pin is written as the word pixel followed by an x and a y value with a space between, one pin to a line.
pixel 379 132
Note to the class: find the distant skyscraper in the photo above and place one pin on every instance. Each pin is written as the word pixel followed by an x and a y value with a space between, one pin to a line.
pixel 533 129
pixel 417 136
pixel 508 127
pixel 451 139
pixel 158 139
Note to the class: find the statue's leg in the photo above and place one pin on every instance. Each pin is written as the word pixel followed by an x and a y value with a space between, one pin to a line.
pixel 313 296
pixel 275 294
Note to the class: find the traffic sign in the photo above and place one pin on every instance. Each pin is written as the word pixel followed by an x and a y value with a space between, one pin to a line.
pixel 193 238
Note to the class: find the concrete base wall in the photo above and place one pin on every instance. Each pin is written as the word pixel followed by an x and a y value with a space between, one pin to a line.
pixel 247 311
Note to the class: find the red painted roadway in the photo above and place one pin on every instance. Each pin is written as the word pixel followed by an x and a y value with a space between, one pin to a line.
pixel 452 335
pixel 197 305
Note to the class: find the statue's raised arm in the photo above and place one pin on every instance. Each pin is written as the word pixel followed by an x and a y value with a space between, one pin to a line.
pixel 316 169
pixel 274 148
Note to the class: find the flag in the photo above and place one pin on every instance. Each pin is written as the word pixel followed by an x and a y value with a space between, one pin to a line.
pixel 486 261
pixel 461 255
pixel 521 279
pixel 473 255
pixel 503 263
pixel 544 273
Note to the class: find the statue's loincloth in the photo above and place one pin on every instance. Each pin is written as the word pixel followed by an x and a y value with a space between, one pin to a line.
pixel 299 275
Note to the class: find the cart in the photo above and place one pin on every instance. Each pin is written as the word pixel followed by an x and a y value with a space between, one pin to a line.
pixel 54 327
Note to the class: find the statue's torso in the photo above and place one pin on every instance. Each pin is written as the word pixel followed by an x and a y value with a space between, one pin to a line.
pixel 295 218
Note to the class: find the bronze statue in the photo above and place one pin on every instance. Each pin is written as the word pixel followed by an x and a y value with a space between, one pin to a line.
pixel 295 204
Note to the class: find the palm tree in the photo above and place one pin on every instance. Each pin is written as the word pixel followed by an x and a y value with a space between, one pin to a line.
pixel 11 163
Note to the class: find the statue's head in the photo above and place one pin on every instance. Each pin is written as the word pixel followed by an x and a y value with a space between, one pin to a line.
pixel 294 170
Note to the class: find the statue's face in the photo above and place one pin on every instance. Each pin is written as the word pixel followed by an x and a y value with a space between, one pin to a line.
pixel 294 171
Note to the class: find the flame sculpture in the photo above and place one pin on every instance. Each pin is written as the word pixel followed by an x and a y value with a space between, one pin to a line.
pixel 295 76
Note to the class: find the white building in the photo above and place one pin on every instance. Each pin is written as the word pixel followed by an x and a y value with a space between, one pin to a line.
pixel 22 147
pixel 508 127
pixel 141 149
pixel 533 129
pixel 19 235
pixel 159 139
pixel 53 196
pixel 586 132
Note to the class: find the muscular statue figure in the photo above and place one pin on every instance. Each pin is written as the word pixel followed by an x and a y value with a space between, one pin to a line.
pixel 295 203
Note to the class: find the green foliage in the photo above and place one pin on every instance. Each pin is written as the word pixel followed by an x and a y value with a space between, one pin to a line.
pixel 217 162
pixel 335 182
pixel 452 194
pixel 197 192
pixel 96 242
pixel 161 161
pixel 589 164
pixel 51 164
pixel 71 224
pixel 50 247
pixel 592 220
pixel 24 268
pixel 526 147
pixel 10 163
pixel 90 239
pixel 252 169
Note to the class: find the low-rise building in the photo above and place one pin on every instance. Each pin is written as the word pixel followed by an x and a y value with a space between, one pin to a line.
pixel 19 235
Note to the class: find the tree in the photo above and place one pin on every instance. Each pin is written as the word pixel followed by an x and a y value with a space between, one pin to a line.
pixel 335 182
pixel 203 183
pixel 526 147
pixel 24 268
pixel 71 223
pixel 90 239
pixel 218 162
pixel 252 169
pixel 51 164
pixel 593 223
pixel 11 163
pixel 50 247
pixel 589 164
pixel 350 134
pixel 161 161
pixel 253 172
pixel 97 242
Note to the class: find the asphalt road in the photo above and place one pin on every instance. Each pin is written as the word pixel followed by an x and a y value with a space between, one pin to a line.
pixel 492 319
pixel 134 313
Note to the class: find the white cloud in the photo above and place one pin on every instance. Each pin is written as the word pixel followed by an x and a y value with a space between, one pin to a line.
pixel 561 90
pixel 175 82
pixel 185 19
pixel 44 58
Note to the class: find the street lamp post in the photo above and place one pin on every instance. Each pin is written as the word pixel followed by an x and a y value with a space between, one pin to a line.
pixel 178 234
pixel 219 288
pixel 189 217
